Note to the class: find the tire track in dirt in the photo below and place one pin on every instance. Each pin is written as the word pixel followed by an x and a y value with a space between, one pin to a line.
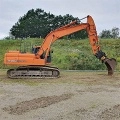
pixel 36 103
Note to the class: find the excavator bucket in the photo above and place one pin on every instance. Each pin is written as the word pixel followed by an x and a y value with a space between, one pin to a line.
pixel 110 64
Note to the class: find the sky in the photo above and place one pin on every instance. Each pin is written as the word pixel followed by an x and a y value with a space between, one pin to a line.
pixel 106 13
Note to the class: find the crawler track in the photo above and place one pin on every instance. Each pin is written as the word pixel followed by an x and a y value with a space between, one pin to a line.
pixel 33 72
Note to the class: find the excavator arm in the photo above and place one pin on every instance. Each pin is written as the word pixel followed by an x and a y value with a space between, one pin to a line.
pixel 72 28
pixel 58 33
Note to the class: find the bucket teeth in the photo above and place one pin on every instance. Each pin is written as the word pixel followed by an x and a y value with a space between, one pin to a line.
pixel 110 64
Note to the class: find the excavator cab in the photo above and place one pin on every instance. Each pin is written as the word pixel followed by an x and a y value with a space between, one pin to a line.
pixel 35 49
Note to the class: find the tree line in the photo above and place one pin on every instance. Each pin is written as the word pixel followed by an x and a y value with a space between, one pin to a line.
pixel 113 33
pixel 38 23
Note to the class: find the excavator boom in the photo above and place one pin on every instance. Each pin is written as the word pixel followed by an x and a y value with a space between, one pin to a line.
pixel 33 65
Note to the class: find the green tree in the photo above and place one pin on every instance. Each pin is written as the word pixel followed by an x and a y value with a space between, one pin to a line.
pixel 115 32
pixel 38 23
pixel 105 34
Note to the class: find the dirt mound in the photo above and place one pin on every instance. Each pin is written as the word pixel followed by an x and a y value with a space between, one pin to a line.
pixel 42 102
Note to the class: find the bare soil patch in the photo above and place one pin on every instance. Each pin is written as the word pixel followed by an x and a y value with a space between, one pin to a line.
pixel 112 113
pixel 36 103
pixel 76 95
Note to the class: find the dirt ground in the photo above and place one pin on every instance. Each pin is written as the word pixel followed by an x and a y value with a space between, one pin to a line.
pixel 74 96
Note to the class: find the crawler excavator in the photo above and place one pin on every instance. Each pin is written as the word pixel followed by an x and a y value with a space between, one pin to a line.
pixel 36 64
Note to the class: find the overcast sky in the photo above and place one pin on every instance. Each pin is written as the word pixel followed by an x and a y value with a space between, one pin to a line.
pixel 106 13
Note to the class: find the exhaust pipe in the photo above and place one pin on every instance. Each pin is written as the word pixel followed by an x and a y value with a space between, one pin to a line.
pixel 110 64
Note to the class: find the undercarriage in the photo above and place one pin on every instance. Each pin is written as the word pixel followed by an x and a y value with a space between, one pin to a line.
pixel 33 72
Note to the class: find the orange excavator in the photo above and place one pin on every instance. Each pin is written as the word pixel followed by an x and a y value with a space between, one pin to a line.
pixel 36 64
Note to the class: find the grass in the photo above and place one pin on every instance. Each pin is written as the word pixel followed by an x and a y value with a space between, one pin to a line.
pixel 68 54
